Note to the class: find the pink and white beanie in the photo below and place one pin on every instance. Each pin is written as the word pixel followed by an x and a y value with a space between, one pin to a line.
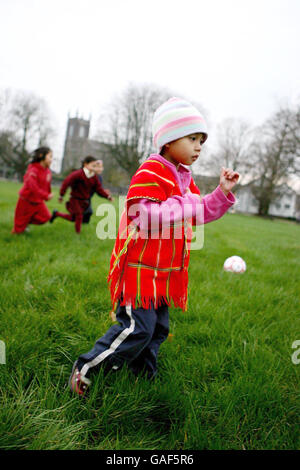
pixel 174 119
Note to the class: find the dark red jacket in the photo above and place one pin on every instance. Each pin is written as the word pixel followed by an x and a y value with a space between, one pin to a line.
pixel 81 186
pixel 37 183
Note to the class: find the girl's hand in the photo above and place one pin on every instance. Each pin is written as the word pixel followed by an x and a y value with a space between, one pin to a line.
pixel 228 179
pixel 50 196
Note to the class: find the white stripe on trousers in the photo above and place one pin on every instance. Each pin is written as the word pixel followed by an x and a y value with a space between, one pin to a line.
pixel 114 345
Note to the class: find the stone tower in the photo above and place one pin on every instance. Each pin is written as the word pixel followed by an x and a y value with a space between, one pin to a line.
pixel 76 143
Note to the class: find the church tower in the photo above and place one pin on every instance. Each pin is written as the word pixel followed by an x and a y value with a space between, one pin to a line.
pixel 76 143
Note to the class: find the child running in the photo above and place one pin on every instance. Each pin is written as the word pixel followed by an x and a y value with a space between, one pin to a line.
pixel 98 169
pixel 31 208
pixel 83 183
pixel 148 271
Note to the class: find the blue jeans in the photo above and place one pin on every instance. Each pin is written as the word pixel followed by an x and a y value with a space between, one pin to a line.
pixel 134 341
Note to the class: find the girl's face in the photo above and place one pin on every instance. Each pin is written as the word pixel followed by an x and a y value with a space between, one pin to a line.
pixel 98 168
pixel 47 160
pixel 90 166
pixel 185 150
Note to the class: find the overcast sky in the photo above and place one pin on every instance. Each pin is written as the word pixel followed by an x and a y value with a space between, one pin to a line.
pixel 236 57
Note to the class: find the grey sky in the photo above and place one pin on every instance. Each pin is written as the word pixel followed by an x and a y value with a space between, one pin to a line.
pixel 237 57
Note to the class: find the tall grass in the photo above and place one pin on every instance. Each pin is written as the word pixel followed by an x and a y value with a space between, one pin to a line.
pixel 226 379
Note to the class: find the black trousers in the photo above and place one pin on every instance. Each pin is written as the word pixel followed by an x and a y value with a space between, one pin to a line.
pixel 135 340
pixel 87 214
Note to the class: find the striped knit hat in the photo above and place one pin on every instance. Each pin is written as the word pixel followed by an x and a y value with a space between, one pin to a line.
pixel 174 119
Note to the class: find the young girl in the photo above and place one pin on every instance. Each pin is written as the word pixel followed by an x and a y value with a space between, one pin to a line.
pixel 149 271
pixel 98 169
pixel 31 208
pixel 83 183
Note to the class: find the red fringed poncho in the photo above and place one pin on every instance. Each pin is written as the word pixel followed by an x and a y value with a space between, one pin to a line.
pixel 145 271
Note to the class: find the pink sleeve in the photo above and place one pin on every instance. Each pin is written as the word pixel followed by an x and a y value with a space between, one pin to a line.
pixel 176 208
pixel 216 204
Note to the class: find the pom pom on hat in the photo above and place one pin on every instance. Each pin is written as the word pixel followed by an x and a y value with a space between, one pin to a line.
pixel 174 119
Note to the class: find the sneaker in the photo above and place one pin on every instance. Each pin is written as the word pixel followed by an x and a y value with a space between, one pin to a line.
pixel 53 216
pixel 77 383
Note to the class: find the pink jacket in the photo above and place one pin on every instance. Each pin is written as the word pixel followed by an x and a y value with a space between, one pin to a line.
pixel 176 208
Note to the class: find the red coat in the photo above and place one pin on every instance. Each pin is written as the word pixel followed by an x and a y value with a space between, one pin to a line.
pixel 81 186
pixel 37 183
pixel 155 270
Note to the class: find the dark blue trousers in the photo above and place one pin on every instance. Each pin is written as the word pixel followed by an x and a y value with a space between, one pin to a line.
pixel 134 341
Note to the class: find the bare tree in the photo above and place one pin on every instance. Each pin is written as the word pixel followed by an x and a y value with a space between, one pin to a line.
pixel 234 137
pixel 276 155
pixel 128 138
pixel 25 124
pixel 6 150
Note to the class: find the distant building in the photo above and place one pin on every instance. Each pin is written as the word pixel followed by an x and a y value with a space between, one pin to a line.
pixel 288 205
pixel 78 144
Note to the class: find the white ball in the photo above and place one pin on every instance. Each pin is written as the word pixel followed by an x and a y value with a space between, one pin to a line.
pixel 235 264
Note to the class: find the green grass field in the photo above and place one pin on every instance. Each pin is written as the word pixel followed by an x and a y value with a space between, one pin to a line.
pixel 226 379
